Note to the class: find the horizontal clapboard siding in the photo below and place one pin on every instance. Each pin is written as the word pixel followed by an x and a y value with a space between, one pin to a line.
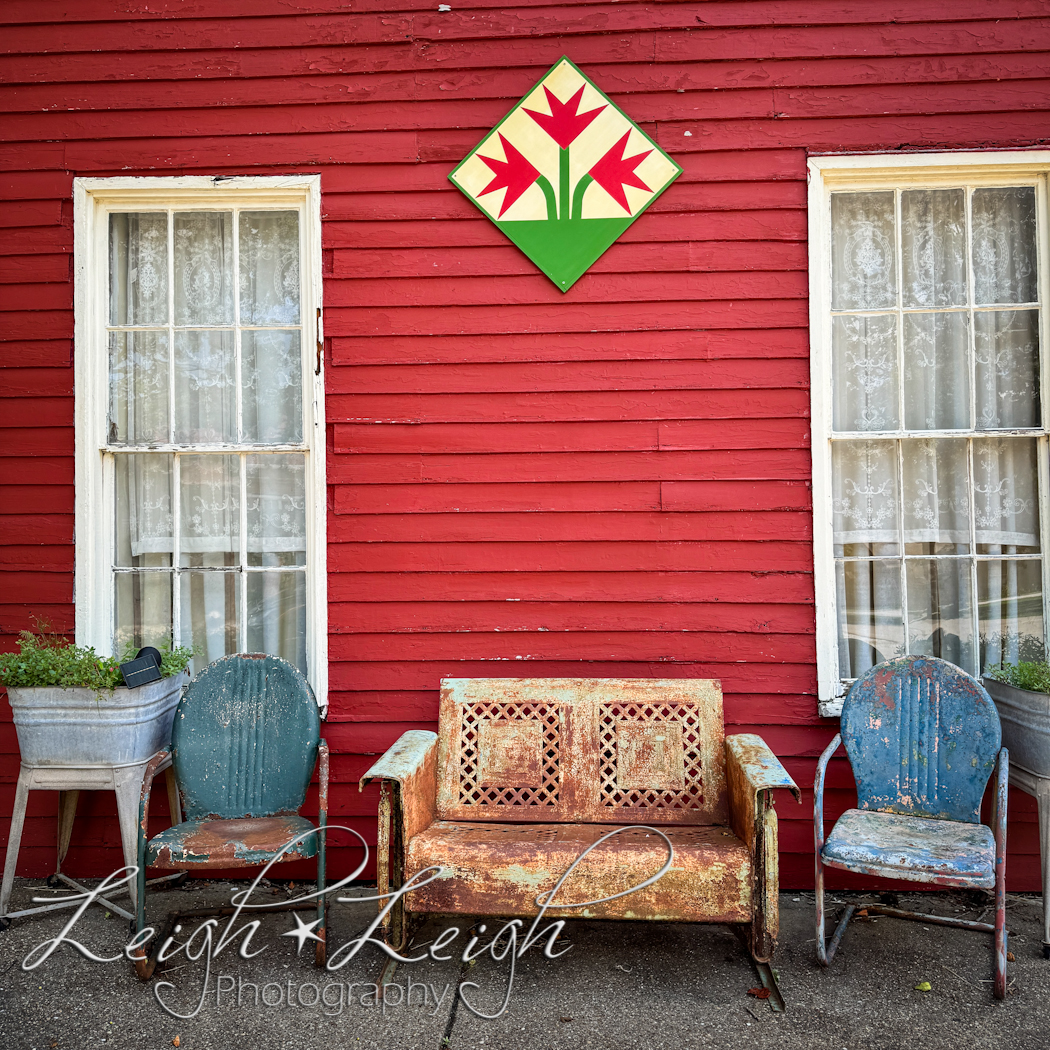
pixel 610 482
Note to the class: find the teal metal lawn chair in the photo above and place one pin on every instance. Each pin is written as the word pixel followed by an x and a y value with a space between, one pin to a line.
pixel 922 737
pixel 244 745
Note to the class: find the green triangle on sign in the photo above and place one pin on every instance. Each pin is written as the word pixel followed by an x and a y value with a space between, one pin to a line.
pixel 564 173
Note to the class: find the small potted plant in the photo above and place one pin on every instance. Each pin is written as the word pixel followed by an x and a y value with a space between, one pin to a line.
pixel 71 707
pixel 1021 693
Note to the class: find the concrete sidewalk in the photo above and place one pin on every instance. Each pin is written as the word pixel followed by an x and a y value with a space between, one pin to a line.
pixel 623 985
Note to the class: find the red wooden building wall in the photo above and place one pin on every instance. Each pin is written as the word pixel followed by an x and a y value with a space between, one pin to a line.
pixel 609 482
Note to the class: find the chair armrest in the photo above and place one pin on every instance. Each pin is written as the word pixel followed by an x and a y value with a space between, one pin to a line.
pixel 151 771
pixel 1002 784
pixel 143 836
pixel 323 764
pixel 407 805
pixel 818 792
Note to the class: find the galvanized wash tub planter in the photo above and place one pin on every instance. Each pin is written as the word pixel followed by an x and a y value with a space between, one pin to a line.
pixel 1025 718
pixel 80 726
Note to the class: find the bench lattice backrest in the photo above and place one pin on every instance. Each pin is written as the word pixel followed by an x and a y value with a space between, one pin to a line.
pixel 588 750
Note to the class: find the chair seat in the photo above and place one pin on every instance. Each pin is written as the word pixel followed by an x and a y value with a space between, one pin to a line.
pixel 242 842
pixel 945 852
pixel 500 869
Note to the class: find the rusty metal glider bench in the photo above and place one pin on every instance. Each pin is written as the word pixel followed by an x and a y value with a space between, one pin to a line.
pixel 525 774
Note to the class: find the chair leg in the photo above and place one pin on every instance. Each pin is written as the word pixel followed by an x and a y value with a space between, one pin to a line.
pixel 321 946
pixel 1000 928
pixel 822 952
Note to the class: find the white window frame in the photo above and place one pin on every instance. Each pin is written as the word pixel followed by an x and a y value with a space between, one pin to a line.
pixel 93 200
pixel 882 172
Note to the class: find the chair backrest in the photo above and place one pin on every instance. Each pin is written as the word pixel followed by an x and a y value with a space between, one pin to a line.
pixel 244 741
pixel 922 737
pixel 594 750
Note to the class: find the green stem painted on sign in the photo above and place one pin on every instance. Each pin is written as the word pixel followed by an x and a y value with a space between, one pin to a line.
pixel 563 183
pixel 548 191
pixel 577 201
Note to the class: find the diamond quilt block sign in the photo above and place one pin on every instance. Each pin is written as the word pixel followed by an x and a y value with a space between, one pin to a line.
pixel 564 174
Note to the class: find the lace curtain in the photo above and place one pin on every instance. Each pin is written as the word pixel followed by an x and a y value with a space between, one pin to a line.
pixel 936 535
pixel 201 355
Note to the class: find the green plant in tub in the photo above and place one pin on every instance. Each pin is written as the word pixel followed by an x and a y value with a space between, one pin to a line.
pixel 1033 675
pixel 47 659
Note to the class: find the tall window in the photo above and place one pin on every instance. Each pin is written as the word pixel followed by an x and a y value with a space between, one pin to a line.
pixel 930 320
pixel 200 318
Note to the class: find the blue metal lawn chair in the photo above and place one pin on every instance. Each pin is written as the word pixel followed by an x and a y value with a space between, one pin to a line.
pixel 922 737
pixel 244 744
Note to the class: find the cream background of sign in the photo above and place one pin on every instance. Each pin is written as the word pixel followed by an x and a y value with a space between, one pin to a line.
pixel 593 143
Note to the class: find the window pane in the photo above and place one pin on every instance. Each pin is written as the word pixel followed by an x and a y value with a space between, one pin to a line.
pixel 138 387
pixel 143 487
pixel 210 510
pixel 865 498
pixel 1004 259
pixel 209 604
pixel 940 610
pixel 1007 350
pixel 271 387
pixel 871 623
pixel 1006 503
pixel 863 251
pixel 269 262
pixel 143 609
pixel 1011 611
pixel 277 615
pixel 936 499
pixel 204 267
pixel 933 242
pixel 865 372
pixel 276 510
pixel 936 372
pixel 205 387
pixel 138 268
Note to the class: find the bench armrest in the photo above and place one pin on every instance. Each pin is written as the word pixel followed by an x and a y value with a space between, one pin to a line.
pixel 407 776
pixel 753 772
pixel 411 764
pixel 755 769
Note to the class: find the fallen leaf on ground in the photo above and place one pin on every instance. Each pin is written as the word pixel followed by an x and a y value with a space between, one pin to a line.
pixel 564 1018
pixel 863 911
pixel 1010 957
pixel 924 986
pixel 175 1041
pixel 759 992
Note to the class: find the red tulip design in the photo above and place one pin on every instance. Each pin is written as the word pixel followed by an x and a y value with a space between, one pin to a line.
pixel 614 171
pixel 516 173
pixel 564 123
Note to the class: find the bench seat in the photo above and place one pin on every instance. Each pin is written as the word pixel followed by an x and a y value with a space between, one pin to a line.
pixel 500 869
